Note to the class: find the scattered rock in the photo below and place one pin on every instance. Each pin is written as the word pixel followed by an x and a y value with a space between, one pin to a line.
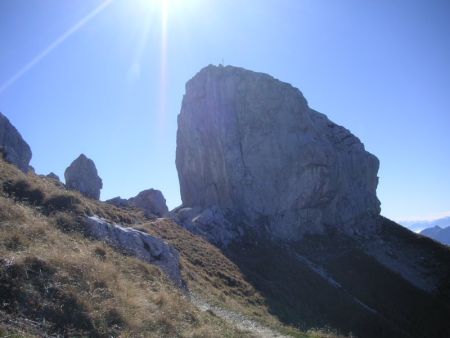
pixel 82 176
pixel 139 244
pixel 13 147
pixel 249 143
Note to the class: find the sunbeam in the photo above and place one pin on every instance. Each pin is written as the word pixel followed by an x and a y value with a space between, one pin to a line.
pixel 163 65
pixel 54 44
pixel 135 69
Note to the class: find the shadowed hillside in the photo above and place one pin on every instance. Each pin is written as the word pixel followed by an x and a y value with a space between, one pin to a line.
pixel 332 280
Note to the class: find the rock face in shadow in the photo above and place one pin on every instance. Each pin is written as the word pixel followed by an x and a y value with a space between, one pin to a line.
pixel 13 147
pixel 139 244
pixel 249 144
pixel 151 201
pixel 82 176
pixel 210 223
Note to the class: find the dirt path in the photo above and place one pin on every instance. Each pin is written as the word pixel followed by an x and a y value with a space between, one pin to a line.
pixel 238 320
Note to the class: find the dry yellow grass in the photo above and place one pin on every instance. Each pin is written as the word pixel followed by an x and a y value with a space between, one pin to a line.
pixel 121 295
pixel 105 292
pixel 67 283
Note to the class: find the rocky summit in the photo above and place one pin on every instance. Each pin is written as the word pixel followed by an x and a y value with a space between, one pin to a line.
pixel 82 176
pixel 248 143
pixel 13 147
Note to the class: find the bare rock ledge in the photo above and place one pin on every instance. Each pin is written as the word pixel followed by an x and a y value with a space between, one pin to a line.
pixel 139 244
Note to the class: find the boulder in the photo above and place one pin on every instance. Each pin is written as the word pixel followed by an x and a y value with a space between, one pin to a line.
pixel 12 146
pixel 82 176
pixel 249 144
pixel 151 201
pixel 139 244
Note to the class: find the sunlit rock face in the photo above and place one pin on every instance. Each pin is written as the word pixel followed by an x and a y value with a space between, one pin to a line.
pixel 139 244
pixel 250 144
pixel 13 148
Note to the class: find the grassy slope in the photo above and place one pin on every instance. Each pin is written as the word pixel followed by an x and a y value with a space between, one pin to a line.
pixel 54 280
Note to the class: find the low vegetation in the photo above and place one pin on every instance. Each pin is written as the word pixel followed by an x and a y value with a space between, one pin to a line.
pixel 56 281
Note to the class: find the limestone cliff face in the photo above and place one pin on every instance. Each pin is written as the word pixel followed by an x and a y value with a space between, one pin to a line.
pixel 249 143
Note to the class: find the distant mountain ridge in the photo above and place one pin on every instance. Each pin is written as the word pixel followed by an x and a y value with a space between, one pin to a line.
pixel 420 225
pixel 437 233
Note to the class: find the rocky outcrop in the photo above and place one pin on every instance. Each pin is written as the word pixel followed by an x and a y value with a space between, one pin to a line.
pixel 12 146
pixel 151 201
pixel 249 144
pixel 210 223
pixel 118 202
pixel 139 244
pixel 53 176
pixel 82 176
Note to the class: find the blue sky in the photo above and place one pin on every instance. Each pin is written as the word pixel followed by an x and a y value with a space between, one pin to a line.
pixel 107 79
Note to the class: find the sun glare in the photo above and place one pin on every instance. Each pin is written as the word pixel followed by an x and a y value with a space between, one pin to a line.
pixel 175 7
pixel 160 4
pixel 170 13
